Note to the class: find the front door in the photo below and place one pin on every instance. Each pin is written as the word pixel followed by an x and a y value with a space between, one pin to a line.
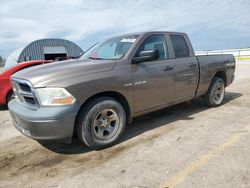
pixel 153 80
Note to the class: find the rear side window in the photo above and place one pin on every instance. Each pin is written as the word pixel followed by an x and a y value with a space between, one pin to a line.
pixel 180 46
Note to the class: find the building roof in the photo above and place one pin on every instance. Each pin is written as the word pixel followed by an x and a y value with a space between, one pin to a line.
pixel 35 50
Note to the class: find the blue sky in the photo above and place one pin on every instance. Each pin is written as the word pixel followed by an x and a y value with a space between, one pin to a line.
pixel 220 24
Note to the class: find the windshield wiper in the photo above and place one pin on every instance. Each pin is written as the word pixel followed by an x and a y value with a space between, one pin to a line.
pixel 96 58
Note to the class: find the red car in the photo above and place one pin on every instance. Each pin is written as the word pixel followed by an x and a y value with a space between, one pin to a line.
pixel 5 85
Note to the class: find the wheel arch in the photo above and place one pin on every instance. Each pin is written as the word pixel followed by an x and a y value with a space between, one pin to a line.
pixel 221 74
pixel 9 91
pixel 112 94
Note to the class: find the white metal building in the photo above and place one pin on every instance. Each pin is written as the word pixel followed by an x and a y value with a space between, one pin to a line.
pixel 44 49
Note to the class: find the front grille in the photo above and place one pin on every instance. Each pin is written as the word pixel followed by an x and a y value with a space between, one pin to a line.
pixel 24 87
pixel 23 92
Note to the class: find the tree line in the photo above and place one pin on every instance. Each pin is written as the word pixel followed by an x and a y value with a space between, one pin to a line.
pixel 2 61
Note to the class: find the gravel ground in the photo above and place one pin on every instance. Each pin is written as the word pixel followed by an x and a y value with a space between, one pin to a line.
pixel 188 145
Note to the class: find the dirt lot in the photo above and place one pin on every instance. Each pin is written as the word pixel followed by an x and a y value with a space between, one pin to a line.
pixel 187 145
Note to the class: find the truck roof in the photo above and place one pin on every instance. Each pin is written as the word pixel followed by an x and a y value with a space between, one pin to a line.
pixel 152 32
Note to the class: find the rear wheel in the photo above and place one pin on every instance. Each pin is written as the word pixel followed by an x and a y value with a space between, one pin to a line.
pixel 101 123
pixel 216 93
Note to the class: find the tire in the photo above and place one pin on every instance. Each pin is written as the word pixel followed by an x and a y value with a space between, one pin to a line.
pixel 10 96
pixel 215 93
pixel 101 123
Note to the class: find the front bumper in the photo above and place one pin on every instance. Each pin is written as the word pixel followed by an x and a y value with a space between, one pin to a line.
pixel 44 123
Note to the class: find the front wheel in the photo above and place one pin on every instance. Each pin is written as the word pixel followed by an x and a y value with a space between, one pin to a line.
pixel 215 93
pixel 101 123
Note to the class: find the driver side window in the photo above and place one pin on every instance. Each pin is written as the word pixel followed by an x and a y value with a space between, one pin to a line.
pixel 154 42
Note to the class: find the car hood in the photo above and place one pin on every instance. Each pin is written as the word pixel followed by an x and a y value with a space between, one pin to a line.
pixel 51 74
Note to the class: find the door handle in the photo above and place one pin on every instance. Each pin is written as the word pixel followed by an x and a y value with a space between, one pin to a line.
pixel 167 68
pixel 192 65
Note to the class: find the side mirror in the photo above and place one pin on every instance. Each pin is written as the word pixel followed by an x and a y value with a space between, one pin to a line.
pixel 146 55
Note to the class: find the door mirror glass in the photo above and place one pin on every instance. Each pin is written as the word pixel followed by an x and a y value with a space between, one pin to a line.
pixel 146 55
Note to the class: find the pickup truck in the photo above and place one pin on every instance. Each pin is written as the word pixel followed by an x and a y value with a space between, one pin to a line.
pixel 114 81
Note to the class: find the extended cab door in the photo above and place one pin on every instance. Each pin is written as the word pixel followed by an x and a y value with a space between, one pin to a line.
pixel 186 67
pixel 153 80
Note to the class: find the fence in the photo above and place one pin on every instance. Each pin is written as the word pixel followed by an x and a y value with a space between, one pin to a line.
pixel 239 54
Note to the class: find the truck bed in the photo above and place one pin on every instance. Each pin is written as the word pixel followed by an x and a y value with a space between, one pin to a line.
pixel 208 64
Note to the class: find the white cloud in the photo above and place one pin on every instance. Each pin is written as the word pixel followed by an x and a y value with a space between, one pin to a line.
pixel 24 21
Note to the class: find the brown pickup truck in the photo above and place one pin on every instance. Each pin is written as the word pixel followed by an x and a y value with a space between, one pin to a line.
pixel 113 82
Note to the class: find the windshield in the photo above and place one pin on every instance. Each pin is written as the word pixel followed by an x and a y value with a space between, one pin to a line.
pixel 114 48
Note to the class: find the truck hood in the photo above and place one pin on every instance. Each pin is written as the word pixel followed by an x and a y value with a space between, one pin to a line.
pixel 48 74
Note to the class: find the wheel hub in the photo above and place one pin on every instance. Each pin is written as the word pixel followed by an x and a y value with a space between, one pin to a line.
pixel 105 124
pixel 218 92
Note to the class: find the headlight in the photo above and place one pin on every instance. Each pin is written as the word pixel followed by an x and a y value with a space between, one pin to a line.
pixel 54 96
